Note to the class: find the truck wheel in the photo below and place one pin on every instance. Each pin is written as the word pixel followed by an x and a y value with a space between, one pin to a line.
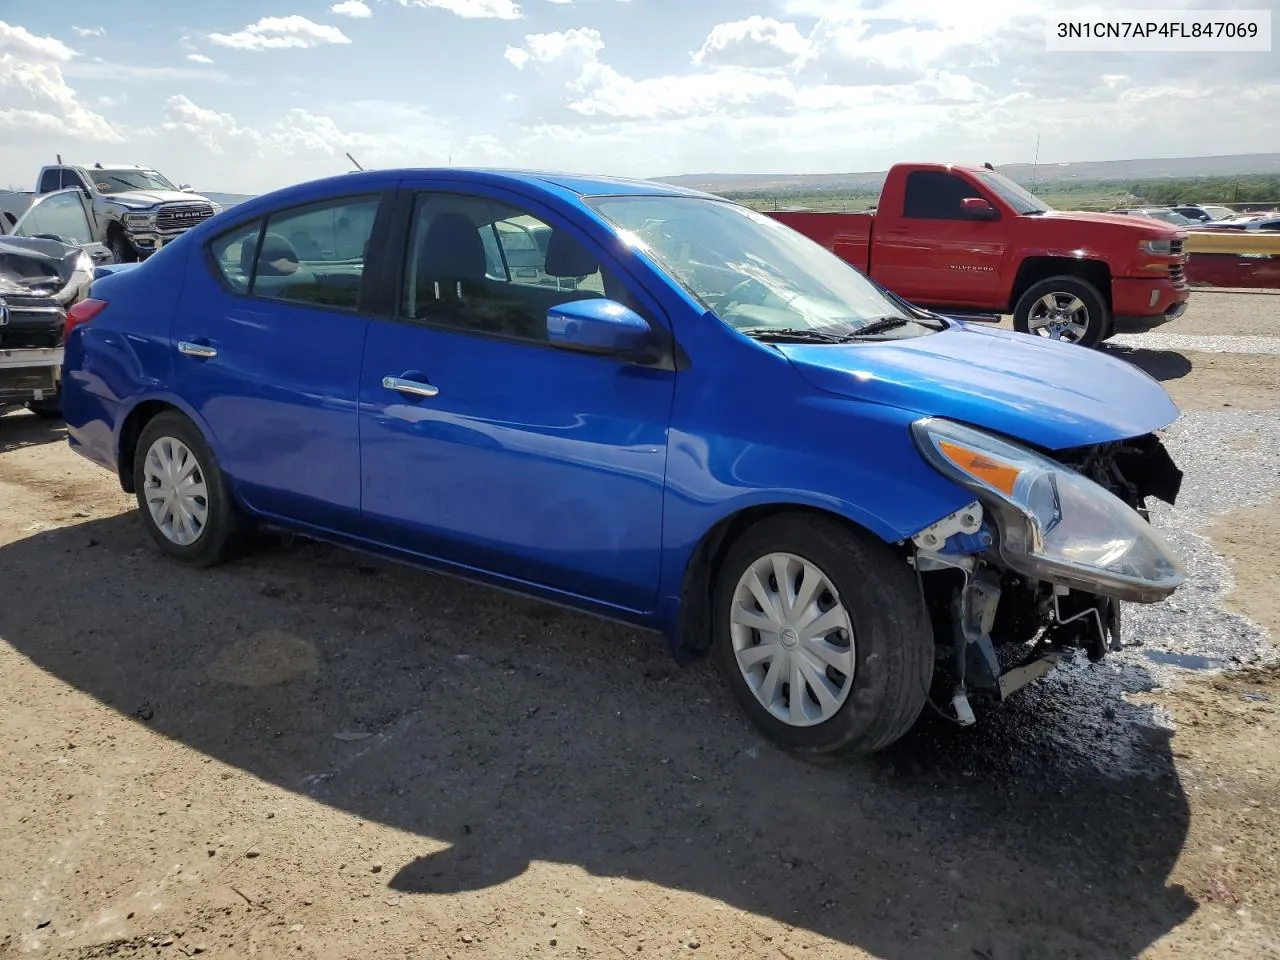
pixel 46 409
pixel 1063 308
pixel 823 636
pixel 121 249
pixel 182 495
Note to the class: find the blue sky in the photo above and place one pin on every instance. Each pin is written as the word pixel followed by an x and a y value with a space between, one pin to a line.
pixel 247 95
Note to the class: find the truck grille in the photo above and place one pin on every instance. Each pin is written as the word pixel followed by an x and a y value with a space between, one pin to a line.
pixel 182 216
pixel 1177 274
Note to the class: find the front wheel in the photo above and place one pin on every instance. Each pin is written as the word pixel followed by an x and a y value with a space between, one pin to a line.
pixel 122 251
pixel 823 636
pixel 1063 308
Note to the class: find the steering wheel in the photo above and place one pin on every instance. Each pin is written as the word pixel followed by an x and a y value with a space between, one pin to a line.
pixel 734 294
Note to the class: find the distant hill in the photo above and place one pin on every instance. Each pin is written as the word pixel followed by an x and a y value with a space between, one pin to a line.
pixel 226 199
pixel 1097 170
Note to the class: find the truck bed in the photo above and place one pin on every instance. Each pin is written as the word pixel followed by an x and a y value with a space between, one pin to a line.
pixel 847 235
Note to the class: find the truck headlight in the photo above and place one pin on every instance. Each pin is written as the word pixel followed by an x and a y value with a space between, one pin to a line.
pixel 140 221
pixel 1158 248
pixel 1055 524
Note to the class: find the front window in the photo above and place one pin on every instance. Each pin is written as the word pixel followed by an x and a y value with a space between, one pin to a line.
pixel 125 181
pixel 1022 201
pixel 752 272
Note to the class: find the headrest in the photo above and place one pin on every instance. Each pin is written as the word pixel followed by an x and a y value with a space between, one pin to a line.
pixel 452 249
pixel 566 257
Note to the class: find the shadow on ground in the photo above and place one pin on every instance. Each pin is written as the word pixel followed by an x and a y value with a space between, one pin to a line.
pixel 22 429
pixel 517 732
pixel 1163 365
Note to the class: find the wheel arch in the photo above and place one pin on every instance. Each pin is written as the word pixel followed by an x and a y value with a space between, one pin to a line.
pixel 1032 270
pixel 136 420
pixel 691 628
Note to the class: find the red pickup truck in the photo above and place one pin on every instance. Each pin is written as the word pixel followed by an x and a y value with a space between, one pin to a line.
pixel 968 240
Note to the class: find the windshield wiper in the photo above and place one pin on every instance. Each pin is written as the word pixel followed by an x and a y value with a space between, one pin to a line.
pixel 794 334
pixel 882 325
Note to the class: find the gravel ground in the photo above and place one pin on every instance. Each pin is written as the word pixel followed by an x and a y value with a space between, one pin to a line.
pixel 311 754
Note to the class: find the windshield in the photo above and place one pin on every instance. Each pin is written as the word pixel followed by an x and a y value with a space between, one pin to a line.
pixel 1022 201
pixel 748 269
pixel 124 181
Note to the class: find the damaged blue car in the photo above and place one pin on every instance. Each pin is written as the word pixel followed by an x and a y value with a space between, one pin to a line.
pixel 645 403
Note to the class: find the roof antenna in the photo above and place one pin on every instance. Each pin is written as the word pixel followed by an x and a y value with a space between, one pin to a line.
pixel 989 167
pixel 59 156
pixel 355 161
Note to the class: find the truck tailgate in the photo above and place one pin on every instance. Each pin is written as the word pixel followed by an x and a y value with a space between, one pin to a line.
pixel 847 235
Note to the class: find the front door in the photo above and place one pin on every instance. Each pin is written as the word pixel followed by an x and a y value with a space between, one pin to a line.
pixel 488 447
pixel 934 251
pixel 267 342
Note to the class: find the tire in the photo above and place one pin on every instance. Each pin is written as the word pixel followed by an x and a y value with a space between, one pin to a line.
pixel 1092 311
pixel 891 651
pixel 122 250
pixel 46 409
pixel 225 526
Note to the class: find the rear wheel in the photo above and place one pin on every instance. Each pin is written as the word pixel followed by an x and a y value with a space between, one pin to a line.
pixel 823 636
pixel 182 495
pixel 1064 308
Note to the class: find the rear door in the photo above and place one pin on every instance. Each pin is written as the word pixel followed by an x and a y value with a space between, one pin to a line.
pixel 508 455
pixel 268 338
pixel 933 251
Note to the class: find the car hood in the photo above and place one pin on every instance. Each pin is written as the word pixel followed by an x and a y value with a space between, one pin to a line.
pixel 1049 394
pixel 149 198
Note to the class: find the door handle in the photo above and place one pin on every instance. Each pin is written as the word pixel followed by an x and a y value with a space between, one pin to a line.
pixel 409 386
pixel 196 349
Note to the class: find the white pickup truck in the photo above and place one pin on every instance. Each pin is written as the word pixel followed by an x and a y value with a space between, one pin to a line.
pixel 134 210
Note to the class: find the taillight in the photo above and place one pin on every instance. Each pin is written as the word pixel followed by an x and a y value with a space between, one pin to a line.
pixel 82 312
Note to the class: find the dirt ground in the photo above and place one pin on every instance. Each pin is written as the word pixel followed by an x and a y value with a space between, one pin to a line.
pixel 311 754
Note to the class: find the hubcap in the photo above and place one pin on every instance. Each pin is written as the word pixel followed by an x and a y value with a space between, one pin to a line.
pixel 792 639
pixel 1059 316
pixel 175 491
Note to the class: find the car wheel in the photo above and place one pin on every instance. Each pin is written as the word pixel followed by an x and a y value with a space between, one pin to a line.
pixel 122 250
pixel 1063 308
pixel 823 636
pixel 183 495
pixel 46 409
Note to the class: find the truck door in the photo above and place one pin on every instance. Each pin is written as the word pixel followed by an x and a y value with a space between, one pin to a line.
pixel 935 250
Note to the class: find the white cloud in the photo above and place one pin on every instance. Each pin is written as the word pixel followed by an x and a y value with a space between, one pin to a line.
pixel 199 58
pixel 757 42
pixel 577 47
pixel 279 33
pixel 89 31
pixel 35 97
pixel 356 9
pixel 472 9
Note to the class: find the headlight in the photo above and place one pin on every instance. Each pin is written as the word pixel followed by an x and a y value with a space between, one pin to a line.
pixel 1055 524
pixel 1159 248
pixel 140 221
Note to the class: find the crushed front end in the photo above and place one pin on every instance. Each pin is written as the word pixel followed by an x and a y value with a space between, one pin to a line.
pixel 1036 567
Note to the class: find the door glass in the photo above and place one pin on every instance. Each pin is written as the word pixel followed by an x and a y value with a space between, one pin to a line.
pixel 60 215
pixel 234 253
pixel 452 278
pixel 932 195
pixel 315 254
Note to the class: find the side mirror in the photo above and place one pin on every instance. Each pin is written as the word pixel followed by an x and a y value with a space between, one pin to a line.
pixel 185 188
pixel 979 208
pixel 599 326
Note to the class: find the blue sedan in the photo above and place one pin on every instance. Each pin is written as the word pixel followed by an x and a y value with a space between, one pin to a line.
pixel 646 403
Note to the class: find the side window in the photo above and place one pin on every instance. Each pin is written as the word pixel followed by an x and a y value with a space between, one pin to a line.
pixel 315 254
pixel 72 179
pixel 50 181
pixel 933 195
pixel 234 253
pixel 451 280
pixel 61 216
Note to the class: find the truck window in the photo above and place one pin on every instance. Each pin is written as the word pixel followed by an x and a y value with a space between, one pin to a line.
pixel 72 179
pixel 50 180
pixel 934 195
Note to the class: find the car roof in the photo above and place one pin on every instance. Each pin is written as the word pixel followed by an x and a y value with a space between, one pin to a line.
pixel 578 184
